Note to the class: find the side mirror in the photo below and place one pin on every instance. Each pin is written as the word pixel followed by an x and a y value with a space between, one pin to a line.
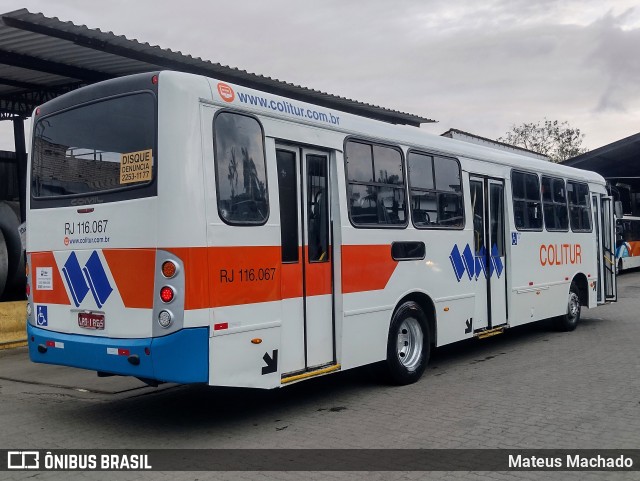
pixel 617 209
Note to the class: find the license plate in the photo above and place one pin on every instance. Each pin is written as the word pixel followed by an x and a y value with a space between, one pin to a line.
pixel 89 320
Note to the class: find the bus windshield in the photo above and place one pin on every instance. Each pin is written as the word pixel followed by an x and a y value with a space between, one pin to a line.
pixel 103 146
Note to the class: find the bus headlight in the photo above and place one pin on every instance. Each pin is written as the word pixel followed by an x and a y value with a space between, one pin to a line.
pixel 165 318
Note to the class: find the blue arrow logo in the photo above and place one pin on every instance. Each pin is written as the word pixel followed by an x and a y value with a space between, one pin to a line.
pixel 92 277
pixel 475 265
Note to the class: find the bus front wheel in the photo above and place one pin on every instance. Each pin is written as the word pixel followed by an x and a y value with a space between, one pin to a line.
pixel 569 320
pixel 408 346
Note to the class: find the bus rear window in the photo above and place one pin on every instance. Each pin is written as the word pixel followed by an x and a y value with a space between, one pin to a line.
pixel 100 147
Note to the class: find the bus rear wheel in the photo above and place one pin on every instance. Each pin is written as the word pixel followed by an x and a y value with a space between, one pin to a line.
pixel 569 320
pixel 408 345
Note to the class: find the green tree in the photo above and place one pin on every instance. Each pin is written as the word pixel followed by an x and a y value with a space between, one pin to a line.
pixel 557 140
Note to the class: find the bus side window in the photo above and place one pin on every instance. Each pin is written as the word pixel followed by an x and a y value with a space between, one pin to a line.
pixel 526 201
pixel 317 209
pixel 288 195
pixel 554 201
pixel 634 229
pixel 477 207
pixel 375 185
pixel 627 232
pixel 240 169
pixel 579 206
pixel 436 191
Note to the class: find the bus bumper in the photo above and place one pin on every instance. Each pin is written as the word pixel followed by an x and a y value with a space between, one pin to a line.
pixel 181 357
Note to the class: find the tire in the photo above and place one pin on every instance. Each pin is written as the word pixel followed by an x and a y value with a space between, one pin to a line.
pixel 568 321
pixel 9 222
pixel 4 264
pixel 408 345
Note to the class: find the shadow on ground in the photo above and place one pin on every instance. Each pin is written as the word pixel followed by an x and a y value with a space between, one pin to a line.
pixel 199 407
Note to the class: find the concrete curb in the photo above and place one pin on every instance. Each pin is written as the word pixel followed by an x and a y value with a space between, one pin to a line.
pixel 13 324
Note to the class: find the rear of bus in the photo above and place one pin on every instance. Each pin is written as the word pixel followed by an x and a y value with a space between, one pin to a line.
pixel 105 287
pixel 627 243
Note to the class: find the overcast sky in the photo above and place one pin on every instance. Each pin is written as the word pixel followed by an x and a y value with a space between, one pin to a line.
pixel 475 66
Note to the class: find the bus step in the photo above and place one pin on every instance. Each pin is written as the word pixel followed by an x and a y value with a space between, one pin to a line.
pixel 490 332
pixel 308 374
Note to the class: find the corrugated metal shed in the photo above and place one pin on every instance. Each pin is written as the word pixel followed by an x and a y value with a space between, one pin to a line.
pixel 617 162
pixel 42 57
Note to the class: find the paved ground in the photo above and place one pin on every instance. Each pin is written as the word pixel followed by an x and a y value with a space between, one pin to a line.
pixel 529 388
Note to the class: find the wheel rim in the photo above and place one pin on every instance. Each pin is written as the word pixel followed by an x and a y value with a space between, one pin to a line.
pixel 409 343
pixel 574 306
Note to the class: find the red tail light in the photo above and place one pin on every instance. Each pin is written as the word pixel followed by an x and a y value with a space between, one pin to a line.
pixel 166 294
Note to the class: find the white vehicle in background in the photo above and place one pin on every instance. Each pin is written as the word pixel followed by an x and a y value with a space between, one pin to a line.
pixel 627 242
pixel 188 230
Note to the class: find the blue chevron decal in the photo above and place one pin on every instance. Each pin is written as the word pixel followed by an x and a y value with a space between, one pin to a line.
pixel 475 266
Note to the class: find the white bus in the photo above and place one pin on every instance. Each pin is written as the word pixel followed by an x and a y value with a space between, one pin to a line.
pixel 628 242
pixel 187 230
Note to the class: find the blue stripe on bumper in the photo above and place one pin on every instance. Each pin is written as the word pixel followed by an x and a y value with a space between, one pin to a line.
pixel 181 357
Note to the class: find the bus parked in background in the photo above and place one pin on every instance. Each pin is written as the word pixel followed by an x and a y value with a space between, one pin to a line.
pixel 628 243
pixel 184 229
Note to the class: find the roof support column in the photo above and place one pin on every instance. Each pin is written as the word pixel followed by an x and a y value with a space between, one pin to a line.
pixel 21 164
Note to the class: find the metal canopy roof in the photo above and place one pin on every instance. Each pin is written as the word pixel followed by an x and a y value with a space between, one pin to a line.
pixel 43 57
pixel 618 161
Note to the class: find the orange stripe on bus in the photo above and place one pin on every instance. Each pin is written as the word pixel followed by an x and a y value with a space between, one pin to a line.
pixel 253 274
pixel 244 275
pixel 366 267
pixel 228 276
pixel 318 277
pixel 196 271
pixel 291 278
pixel 634 248
pixel 133 272
pixel 58 294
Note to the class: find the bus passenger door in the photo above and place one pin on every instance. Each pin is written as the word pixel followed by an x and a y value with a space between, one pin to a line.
pixel 307 282
pixel 496 254
pixel 489 261
pixel 608 249
pixel 597 225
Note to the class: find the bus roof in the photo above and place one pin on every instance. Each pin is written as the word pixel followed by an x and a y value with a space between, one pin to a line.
pixel 284 108
pixel 260 103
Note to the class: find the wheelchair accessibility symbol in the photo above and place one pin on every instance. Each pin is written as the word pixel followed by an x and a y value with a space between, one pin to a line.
pixel 42 318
